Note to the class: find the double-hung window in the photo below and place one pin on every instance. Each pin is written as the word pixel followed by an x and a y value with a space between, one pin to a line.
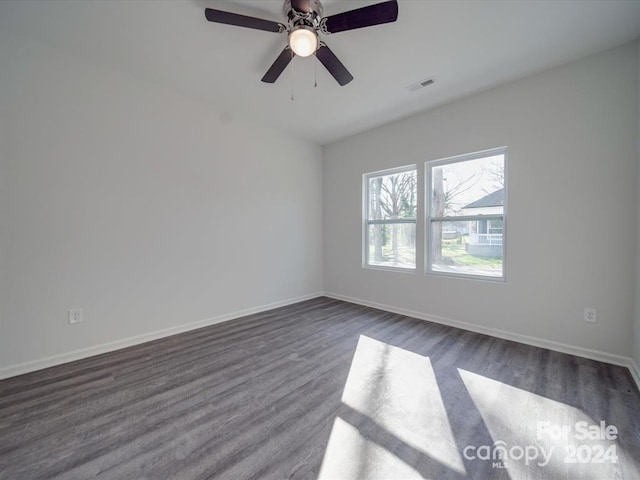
pixel 390 218
pixel 466 215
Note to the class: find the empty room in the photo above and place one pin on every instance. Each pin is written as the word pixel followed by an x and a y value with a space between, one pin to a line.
pixel 319 239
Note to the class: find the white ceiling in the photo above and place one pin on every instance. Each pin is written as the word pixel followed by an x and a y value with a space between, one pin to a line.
pixel 466 46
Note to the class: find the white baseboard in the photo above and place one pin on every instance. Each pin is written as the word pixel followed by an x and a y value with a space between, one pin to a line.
pixel 51 361
pixel 635 372
pixel 494 332
pixel 19 369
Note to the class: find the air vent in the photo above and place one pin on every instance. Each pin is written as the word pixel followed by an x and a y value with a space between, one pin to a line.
pixel 421 84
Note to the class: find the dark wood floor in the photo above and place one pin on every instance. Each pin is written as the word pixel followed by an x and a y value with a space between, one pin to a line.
pixel 321 389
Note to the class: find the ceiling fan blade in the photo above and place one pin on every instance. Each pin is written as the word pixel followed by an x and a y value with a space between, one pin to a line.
pixel 278 66
pixel 384 12
pixel 228 18
pixel 335 66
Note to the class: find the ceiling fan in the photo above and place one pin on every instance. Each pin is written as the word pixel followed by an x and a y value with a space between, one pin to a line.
pixel 305 22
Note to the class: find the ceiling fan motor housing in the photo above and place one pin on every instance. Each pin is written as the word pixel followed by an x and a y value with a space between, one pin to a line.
pixel 303 12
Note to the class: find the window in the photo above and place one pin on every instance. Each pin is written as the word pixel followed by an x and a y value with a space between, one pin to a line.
pixel 466 215
pixel 390 218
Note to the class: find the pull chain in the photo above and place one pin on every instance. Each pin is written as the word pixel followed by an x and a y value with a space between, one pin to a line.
pixel 315 72
pixel 292 77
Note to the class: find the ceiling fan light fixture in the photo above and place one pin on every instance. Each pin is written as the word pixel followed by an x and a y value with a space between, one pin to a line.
pixel 303 41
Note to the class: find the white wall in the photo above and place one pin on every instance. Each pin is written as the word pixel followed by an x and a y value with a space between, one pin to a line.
pixel 572 134
pixel 636 352
pixel 145 209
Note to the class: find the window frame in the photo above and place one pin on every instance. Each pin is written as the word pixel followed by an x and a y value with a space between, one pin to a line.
pixel 429 220
pixel 366 222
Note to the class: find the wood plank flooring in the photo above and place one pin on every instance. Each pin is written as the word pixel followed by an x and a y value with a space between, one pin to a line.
pixel 321 389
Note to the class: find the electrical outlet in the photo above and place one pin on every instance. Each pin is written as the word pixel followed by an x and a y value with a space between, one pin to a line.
pixel 590 315
pixel 75 315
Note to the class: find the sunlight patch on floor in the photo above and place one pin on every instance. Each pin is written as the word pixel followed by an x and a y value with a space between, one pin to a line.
pixel 397 417
pixel 350 455
pixel 540 437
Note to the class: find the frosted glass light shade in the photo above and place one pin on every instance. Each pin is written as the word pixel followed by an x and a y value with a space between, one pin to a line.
pixel 303 41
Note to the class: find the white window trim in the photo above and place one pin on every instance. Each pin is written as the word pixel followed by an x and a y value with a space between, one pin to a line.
pixel 429 219
pixel 366 222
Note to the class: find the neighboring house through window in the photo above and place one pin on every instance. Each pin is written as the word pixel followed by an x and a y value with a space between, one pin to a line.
pixel 466 215
pixel 485 235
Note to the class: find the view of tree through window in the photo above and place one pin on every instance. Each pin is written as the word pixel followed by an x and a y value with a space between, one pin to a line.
pixel 466 214
pixel 391 218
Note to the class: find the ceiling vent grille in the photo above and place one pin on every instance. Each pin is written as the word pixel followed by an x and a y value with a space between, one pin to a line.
pixel 421 84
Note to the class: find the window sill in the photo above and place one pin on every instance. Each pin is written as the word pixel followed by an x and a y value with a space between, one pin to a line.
pixel 466 276
pixel 391 269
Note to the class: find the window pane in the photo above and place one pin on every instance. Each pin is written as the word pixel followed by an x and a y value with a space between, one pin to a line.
pixel 467 247
pixel 392 245
pixel 470 187
pixel 392 196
